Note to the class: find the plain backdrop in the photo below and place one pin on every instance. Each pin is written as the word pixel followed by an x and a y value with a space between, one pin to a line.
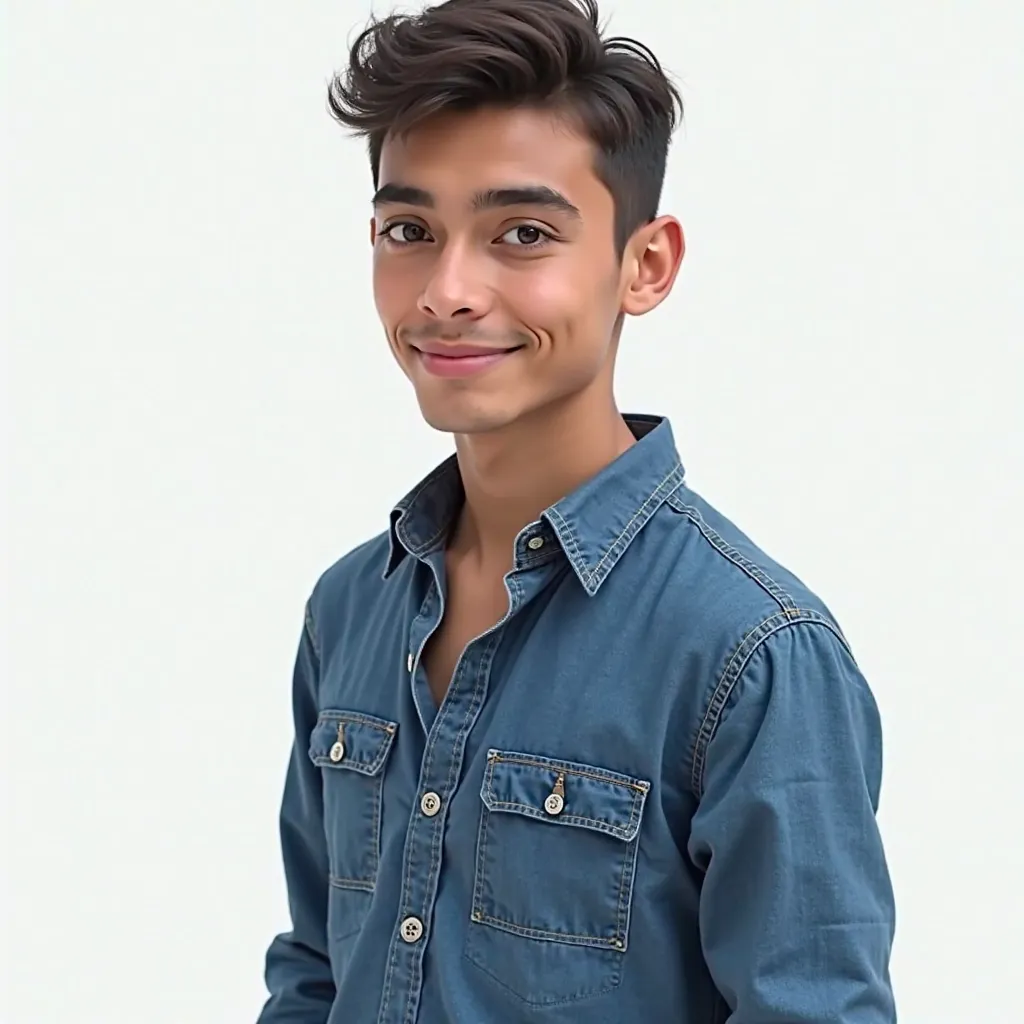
pixel 206 416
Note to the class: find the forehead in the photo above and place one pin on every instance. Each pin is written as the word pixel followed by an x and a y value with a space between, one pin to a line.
pixel 454 155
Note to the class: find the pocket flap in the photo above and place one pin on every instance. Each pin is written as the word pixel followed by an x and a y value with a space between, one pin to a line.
pixel 351 740
pixel 589 797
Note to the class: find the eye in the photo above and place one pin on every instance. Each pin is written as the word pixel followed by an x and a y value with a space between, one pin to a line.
pixel 525 236
pixel 405 232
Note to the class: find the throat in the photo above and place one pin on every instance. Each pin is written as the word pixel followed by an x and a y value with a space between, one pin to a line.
pixel 475 601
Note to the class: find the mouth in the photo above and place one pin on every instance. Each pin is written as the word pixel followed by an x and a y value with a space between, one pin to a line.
pixel 451 360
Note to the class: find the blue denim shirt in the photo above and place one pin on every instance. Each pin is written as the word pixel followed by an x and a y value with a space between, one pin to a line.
pixel 648 796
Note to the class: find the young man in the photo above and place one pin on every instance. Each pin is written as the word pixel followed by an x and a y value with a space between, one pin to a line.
pixel 568 746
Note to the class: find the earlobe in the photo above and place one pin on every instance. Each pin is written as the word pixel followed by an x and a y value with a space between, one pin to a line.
pixel 661 249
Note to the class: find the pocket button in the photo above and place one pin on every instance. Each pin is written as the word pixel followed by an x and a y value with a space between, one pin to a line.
pixel 337 752
pixel 555 802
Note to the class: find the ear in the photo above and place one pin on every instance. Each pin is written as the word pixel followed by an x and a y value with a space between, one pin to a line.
pixel 373 231
pixel 655 253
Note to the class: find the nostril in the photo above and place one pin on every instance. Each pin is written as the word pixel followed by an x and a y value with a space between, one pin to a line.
pixel 462 311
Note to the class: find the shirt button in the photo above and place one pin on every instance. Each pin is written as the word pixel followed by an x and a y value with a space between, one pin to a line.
pixel 535 543
pixel 412 929
pixel 408 663
pixel 554 804
pixel 430 804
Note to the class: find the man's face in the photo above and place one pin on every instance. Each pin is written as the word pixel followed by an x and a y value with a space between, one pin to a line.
pixel 495 272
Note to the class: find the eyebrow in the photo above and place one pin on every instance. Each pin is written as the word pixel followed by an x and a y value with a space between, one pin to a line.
pixel 486 199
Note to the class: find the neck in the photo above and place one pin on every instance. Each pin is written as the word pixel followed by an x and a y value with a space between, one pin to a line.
pixel 513 475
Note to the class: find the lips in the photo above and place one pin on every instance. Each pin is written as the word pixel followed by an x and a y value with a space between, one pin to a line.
pixel 454 350
pixel 457 360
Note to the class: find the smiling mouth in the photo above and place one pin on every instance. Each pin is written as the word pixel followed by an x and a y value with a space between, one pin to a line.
pixel 462 362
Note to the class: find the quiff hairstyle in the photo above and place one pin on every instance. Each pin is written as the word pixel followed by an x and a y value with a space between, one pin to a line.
pixel 465 55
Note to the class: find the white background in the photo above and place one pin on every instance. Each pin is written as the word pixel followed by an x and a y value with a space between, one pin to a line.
pixel 207 416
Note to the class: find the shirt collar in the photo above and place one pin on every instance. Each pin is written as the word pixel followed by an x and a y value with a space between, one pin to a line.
pixel 593 525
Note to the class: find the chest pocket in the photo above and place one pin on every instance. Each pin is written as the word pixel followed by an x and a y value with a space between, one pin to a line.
pixel 555 865
pixel 351 749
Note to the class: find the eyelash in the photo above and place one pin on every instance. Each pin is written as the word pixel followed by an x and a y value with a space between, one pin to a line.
pixel 545 236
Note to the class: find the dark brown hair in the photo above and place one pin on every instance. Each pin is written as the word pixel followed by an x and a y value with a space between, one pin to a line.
pixel 466 54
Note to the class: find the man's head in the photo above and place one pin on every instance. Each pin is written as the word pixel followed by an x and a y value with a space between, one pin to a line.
pixel 518 159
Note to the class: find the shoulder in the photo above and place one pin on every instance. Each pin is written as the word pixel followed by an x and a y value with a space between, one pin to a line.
pixel 765 635
pixel 729 581
pixel 353 581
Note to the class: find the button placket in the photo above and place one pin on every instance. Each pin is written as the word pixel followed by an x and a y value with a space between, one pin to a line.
pixel 444 753
pixel 442 760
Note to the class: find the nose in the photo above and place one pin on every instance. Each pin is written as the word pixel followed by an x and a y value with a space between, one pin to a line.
pixel 456 287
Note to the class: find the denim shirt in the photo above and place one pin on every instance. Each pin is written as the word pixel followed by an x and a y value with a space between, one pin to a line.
pixel 649 794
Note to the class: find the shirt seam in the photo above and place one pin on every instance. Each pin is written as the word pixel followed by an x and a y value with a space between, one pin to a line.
pixel 746 565
pixel 593 576
pixel 733 671
pixel 310 627
pixel 789 614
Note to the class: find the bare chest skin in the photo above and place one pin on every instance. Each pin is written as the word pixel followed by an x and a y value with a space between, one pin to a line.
pixel 473 604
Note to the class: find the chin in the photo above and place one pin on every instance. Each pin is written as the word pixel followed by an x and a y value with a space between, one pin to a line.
pixel 449 419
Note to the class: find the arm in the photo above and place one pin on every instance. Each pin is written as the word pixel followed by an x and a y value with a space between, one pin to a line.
pixel 298 971
pixel 796 912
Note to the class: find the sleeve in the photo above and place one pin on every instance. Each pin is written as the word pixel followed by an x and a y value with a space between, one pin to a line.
pixel 796 912
pixel 298 970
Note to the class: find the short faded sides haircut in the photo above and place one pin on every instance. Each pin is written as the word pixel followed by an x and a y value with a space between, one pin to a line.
pixel 465 55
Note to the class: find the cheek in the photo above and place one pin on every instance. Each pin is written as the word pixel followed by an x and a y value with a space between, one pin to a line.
pixel 548 298
pixel 383 289
pixel 564 302
pixel 394 295
pixel 392 302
